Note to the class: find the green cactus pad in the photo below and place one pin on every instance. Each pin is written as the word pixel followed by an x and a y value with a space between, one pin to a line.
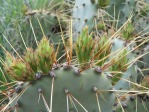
pixel 84 13
pixel 83 87
pixel 128 74
pixel 134 103
pixel 121 10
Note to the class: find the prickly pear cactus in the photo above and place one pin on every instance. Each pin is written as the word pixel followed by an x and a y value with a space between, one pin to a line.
pixel 50 85
pixel 121 10
pixel 34 20
pixel 143 62
pixel 127 73
pixel 99 66
pixel 135 100
pixel 132 103
pixel 141 21
pixel 84 14
pixel 141 26
pixel 67 91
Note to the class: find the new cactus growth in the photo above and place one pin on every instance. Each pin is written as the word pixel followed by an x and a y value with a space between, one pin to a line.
pixel 103 45
pixel 128 31
pixel 30 58
pixel 84 48
pixel 103 3
pixel 45 56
